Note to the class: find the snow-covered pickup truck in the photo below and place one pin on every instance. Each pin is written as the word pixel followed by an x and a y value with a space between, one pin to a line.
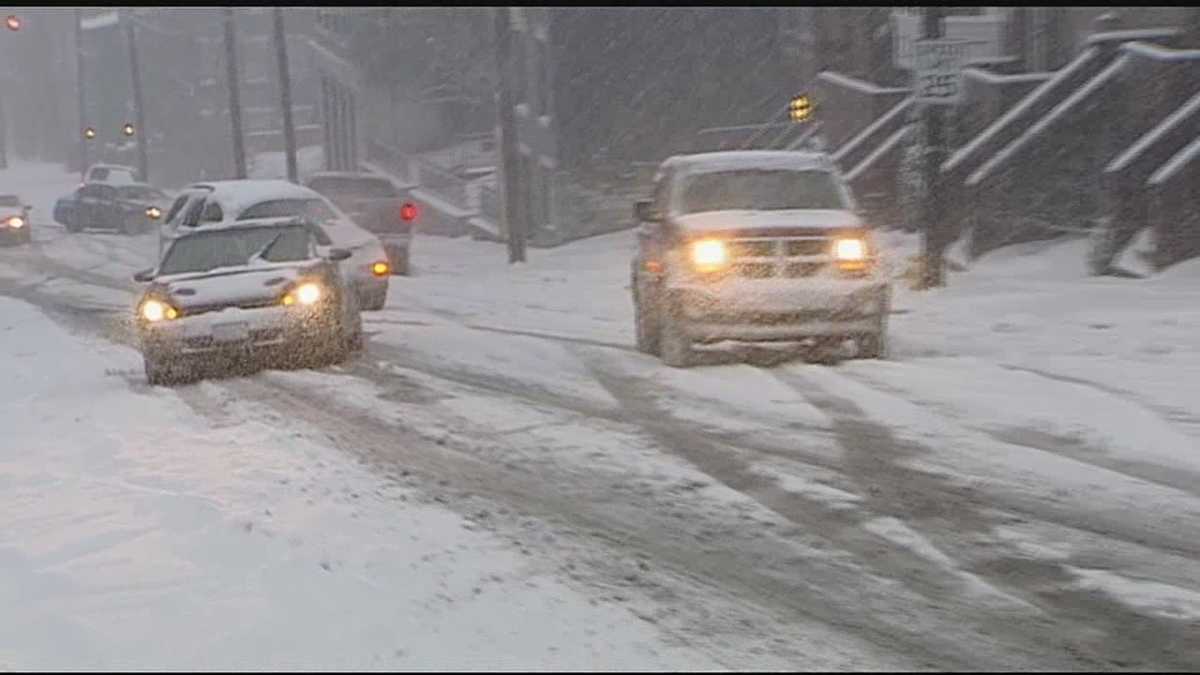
pixel 758 246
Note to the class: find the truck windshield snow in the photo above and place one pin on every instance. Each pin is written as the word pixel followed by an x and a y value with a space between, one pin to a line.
pixel 762 190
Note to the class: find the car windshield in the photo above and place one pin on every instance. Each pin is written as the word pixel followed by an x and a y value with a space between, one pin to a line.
pixel 313 209
pixel 762 190
pixel 140 193
pixel 354 188
pixel 205 251
pixel 10 200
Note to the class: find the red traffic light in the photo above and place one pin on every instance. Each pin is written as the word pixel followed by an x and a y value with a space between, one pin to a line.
pixel 13 22
pixel 408 212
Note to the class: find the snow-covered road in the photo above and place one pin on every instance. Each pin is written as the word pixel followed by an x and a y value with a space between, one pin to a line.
pixel 501 481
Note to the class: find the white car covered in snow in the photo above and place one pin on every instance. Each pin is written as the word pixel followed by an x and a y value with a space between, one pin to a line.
pixel 246 293
pixel 221 202
pixel 759 246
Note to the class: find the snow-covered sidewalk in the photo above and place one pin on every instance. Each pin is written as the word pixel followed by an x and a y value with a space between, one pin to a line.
pixel 135 535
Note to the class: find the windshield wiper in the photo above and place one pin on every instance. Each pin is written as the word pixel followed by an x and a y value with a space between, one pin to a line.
pixel 263 251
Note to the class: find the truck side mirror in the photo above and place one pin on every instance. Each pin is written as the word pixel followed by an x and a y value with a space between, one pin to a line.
pixel 643 210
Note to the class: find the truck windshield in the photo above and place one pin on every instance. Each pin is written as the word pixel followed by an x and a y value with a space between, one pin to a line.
pixel 762 190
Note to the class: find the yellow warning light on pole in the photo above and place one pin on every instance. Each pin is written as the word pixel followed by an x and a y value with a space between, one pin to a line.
pixel 800 108
pixel 127 129
pixel 89 133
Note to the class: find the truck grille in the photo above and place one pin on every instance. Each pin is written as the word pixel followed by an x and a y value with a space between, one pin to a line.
pixel 765 258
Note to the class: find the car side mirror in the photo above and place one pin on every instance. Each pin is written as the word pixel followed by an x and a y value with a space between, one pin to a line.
pixel 144 276
pixel 644 211
pixel 338 254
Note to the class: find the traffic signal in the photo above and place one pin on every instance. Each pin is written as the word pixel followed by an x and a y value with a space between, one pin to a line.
pixel 13 22
pixel 89 133
pixel 800 108
pixel 127 129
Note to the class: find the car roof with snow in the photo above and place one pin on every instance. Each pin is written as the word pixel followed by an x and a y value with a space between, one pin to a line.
pixel 235 196
pixel 272 221
pixel 707 162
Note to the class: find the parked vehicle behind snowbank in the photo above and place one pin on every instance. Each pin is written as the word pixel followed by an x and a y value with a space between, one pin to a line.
pixel 756 247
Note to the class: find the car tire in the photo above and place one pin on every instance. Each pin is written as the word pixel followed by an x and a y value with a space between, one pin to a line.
pixel 72 223
pixel 374 300
pixel 645 327
pixel 675 347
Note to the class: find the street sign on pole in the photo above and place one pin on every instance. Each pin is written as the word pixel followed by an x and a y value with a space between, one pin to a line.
pixel 939 66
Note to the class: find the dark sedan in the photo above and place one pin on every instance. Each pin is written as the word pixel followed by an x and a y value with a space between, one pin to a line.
pixel 131 208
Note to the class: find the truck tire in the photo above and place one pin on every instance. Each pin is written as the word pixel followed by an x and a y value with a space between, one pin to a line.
pixel 675 347
pixel 159 374
pixel 646 327
pixel 872 345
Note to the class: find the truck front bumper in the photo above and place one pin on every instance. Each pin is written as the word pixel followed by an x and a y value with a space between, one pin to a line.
pixel 768 311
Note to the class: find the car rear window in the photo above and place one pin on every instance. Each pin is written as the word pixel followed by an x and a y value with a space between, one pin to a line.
pixel 762 190
pixel 314 209
pixel 354 188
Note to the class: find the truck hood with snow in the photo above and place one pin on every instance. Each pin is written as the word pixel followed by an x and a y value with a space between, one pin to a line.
pixel 768 223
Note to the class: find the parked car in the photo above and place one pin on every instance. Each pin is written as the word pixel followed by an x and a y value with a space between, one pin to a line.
pixel 221 202
pixel 14 221
pixel 113 174
pixel 376 204
pixel 250 293
pixel 129 208
pixel 759 246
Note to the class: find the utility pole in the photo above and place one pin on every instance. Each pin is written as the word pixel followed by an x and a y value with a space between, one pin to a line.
pixel 79 78
pixel 510 171
pixel 3 137
pixel 135 72
pixel 933 241
pixel 285 96
pixel 235 106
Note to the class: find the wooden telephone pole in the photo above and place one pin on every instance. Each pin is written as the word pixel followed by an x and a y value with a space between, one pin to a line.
pixel 235 106
pixel 285 96
pixel 933 239
pixel 135 72
pixel 79 90
pixel 509 161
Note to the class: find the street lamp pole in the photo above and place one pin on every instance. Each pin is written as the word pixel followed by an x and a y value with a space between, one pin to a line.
pixel 285 96
pixel 79 90
pixel 933 237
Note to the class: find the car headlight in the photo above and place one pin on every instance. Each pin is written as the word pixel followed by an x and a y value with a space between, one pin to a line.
pixel 305 294
pixel 380 269
pixel 16 222
pixel 709 255
pixel 850 250
pixel 153 213
pixel 155 311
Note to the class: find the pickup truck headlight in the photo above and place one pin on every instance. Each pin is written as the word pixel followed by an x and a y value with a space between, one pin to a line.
pixel 155 311
pixel 709 255
pixel 850 250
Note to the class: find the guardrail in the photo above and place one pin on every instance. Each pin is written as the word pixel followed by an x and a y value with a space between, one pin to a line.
pixel 441 182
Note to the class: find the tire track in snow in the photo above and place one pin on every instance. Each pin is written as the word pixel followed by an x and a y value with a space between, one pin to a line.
pixel 1129 636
